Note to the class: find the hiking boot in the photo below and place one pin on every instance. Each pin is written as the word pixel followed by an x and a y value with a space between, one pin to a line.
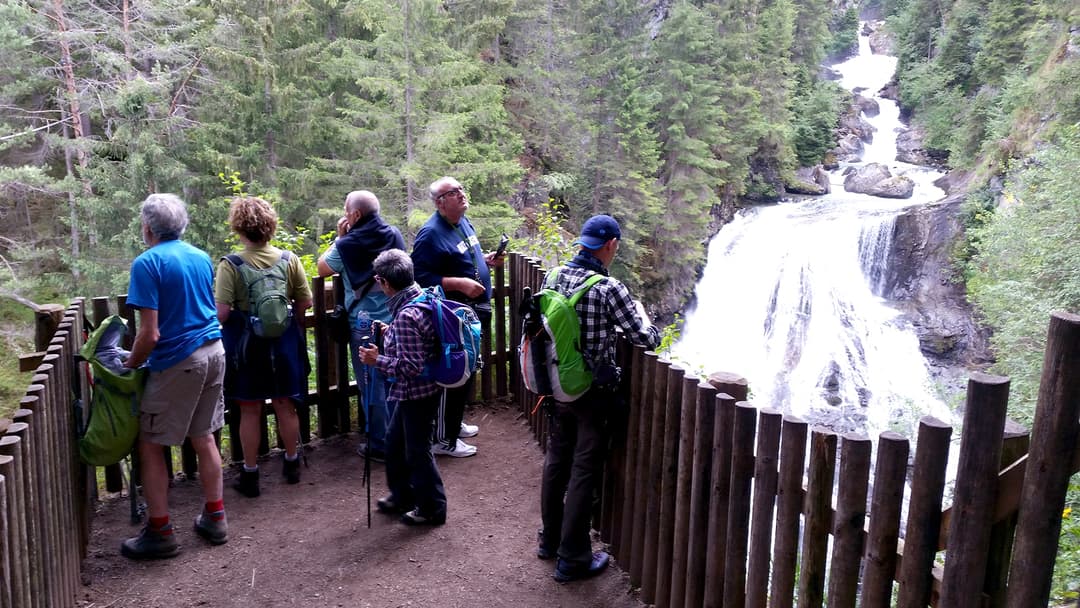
pixel 460 449
pixel 468 430
pixel 213 527
pixel 151 544
pixel 390 506
pixel 291 470
pixel 248 483
pixel 566 572
pixel 416 518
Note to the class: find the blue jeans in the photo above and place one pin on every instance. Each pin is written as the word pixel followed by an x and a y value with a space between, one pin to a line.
pixel 372 387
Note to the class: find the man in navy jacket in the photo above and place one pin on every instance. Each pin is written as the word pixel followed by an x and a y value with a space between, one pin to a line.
pixel 446 252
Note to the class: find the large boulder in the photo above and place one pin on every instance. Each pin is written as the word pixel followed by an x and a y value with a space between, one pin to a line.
pixel 897 186
pixel 876 180
pixel 809 180
pixel 910 149
pixel 867 105
pixel 848 149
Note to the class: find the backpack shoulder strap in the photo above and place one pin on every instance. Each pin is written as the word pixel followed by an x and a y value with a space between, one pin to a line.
pixel 234 259
pixel 589 282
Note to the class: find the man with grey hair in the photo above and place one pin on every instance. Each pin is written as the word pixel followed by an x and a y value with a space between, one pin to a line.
pixel 179 339
pixel 447 253
pixel 362 234
pixel 416 488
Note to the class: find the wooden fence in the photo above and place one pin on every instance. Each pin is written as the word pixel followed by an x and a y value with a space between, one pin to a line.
pixel 709 501
pixel 706 501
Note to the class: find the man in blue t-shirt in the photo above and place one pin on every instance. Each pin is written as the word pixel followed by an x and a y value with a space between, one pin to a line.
pixel 179 339
pixel 447 253
pixel 362 235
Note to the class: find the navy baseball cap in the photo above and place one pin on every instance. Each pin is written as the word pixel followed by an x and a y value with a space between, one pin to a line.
pixel 598 230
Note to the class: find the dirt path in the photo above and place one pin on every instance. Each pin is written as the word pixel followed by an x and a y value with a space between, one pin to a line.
pixel 309 545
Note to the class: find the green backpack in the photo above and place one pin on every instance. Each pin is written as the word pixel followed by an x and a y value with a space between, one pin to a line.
pixel 270 311
pixel 550 355
pixel 113 426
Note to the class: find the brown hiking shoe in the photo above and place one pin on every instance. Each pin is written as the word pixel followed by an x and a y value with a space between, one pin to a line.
pixel 213 527
pixel 151 544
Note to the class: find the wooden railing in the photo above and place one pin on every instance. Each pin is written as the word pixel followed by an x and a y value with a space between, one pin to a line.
pixel 709 501
pixel 706 500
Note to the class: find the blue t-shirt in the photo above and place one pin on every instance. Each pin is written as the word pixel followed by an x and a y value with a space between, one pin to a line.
pixel 373 303
pixel 177 280
pixel 443 250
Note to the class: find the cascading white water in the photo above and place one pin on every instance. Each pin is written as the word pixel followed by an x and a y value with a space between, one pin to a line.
pixel 790 296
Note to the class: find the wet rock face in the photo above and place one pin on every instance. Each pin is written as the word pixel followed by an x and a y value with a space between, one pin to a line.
pixel 920 277
pixel 809 180
pixel 876 180
pixel 910 149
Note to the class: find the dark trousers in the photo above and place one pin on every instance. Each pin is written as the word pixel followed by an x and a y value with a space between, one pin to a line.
pixel 452 409
pixel 573 466
pixel 411 473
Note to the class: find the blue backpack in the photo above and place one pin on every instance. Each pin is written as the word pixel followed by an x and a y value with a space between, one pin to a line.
pixel 457 339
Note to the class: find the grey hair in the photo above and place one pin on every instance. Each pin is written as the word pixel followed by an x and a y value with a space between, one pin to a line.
pixel 165 215
pixel 363 201
pixel 396 267
pixel 433 189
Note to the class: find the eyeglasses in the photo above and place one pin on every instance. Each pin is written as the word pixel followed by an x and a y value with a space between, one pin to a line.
pixel 458 190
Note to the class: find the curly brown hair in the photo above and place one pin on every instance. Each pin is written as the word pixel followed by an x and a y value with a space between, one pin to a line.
pixel 253 218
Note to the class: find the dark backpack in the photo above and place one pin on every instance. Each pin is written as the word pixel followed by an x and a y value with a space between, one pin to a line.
pixel 270 310
pixel 457 333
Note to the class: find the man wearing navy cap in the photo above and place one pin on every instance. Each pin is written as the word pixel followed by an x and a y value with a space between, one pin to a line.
pixel 577 440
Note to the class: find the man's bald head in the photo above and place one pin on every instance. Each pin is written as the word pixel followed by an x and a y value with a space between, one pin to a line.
pixel 363 201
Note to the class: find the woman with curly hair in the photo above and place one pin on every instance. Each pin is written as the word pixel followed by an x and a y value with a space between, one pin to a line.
pixel 261 368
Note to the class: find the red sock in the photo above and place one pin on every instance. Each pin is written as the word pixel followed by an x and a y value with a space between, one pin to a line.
pixel 215 506
pixel 157 523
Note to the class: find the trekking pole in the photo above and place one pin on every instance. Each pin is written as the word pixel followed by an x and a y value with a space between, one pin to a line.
pixel 366 340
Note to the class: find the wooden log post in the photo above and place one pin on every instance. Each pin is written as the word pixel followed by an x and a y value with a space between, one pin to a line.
pixel 327 410
pixel 615 469
pixel 766 472
pixel 624 545
pixel 1054 437
pixel 642 487
pixel 720 494
pixel 654 475
pixel 45 486
pixel 700 492
pixel 46 319
pixel 884 532
pixel 683 491
pixel 57 399
pixel 6 545
pixel 976 489
pixel 669 480
pixel 1014 447
pixel 789 499
pixel 34 455
pixel 742 477
pixel 847 549
pixel 11 470
pixel 924 513
pixel 819 489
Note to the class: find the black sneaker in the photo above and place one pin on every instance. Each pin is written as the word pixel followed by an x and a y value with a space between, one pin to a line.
pixel 390 506
pixel 151 544
pixel 213 527
pixel 416 518
pixel 248 483
pixel 542 551
pixel 566 572
pixel 291 470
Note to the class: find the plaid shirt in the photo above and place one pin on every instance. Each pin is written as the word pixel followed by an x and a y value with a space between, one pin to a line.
pixel 408 344
pixel 605 307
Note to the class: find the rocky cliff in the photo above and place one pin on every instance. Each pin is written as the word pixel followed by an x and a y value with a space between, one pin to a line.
pixel 921 278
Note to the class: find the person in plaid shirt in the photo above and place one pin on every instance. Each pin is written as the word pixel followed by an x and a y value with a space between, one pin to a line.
pixel 416 487
pixel 577 439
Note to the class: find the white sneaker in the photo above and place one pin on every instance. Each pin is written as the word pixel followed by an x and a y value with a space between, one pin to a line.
pixel 461 450
pixel 469 430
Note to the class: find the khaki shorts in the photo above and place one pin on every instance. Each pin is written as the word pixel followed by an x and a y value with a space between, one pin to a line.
pixel 185 400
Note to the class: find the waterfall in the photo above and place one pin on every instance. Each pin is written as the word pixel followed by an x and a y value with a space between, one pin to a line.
pixel 792 296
